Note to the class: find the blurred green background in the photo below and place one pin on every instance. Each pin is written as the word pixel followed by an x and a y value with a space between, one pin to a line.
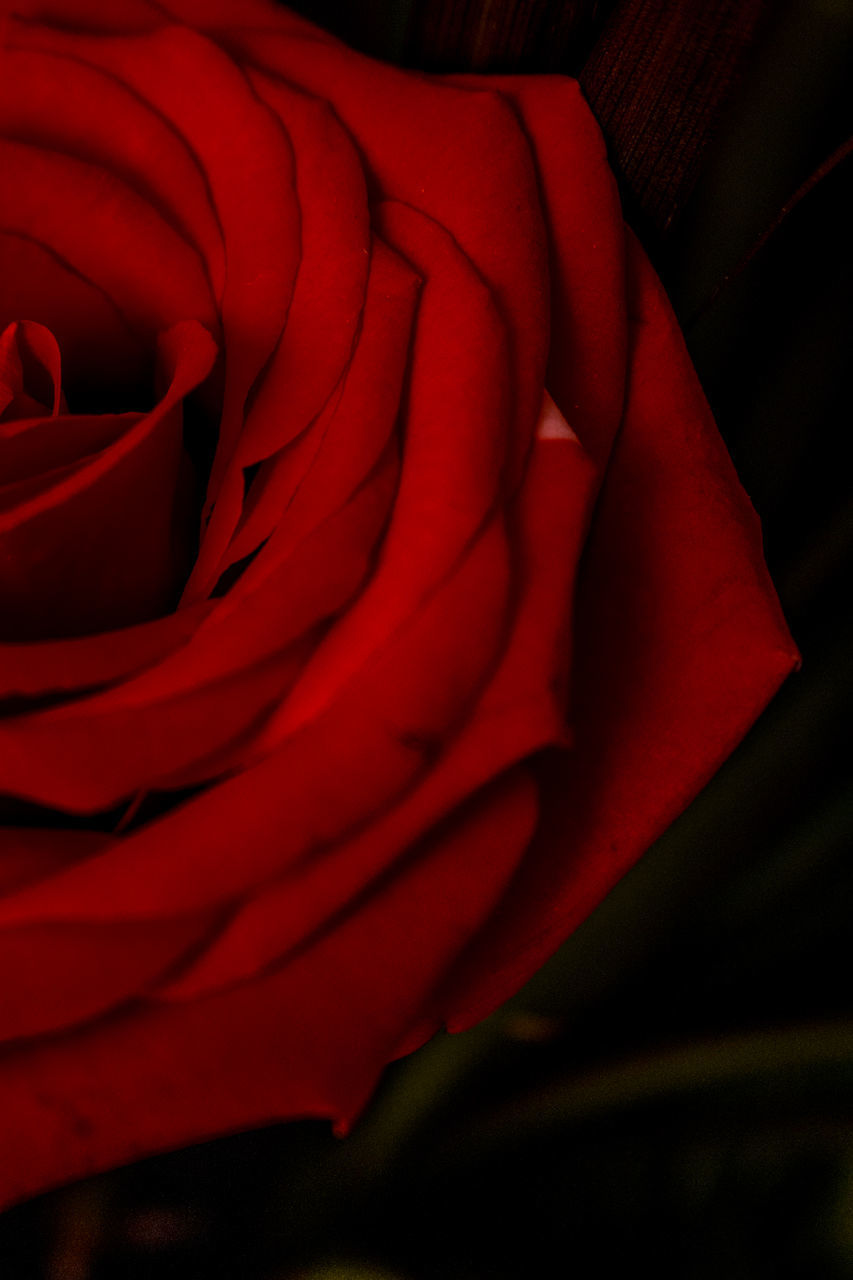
pixel 674 1090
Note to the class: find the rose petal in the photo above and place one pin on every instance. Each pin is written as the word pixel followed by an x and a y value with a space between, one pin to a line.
pixel 53 976
pixel 587 253
pixel 278 597
pixel 309 1039
pixel 458 156
pixel 329 293
pixel 29 358
pixel 358 856
pixel 34 853
pixel 247 161
pixel 304 483
pixel 520 711
pixel 66 442
pixel 91 15
pixel 143 15
pixel 681 643
pixel 59 102
pixel 208 15
pixel 99 545
pixel 322 321
pixel 56 666
pixel 96 223
pixel 170 726
pixel 455 445
pixel 329 497
pixel 100 351
pixel 341 769
pixel 90 755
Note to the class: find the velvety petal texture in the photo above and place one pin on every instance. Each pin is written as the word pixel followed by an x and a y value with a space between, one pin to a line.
pixel 374 585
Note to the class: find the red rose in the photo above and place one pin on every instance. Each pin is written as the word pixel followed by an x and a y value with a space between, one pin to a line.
pixel 277 799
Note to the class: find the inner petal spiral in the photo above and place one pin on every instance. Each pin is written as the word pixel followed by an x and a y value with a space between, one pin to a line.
pixel 96 510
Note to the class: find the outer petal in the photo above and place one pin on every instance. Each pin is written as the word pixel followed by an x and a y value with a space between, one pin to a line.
pixel 309 1039
pixel 680 645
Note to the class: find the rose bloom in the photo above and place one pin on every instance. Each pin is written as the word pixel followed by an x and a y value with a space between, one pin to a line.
pixel 374 585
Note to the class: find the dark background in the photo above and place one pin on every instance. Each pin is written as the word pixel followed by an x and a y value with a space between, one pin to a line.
pixel 674 1091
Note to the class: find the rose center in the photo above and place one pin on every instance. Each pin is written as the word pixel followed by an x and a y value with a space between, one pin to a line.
pixel 97 510
pixel 30 381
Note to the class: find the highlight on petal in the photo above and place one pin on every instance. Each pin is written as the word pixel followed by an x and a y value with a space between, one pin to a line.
pixel 552 425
